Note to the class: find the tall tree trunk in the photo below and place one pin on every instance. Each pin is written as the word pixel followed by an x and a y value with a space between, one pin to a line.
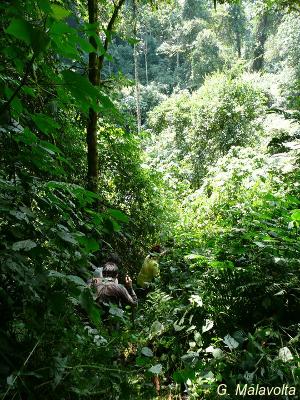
pixel 95 68
pixel 91 133
pixel 137 88
pixel 261 38
pixel 136 71
pixel 146 59
pixel 239 44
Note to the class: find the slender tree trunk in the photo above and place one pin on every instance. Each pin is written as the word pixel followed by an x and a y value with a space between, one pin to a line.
pixel 146 59
pixel 95 68
pixel 137 88
pixel 237 25
pixel 261 38
pixel 239 44
pixel 91 133
pixel 136 71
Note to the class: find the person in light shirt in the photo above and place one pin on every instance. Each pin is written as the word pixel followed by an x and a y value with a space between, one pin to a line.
pixel 150 268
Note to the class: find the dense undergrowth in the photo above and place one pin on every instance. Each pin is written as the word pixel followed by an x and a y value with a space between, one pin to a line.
pixel 214 177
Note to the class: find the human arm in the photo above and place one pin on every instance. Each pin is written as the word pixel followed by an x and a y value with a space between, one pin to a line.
pixel 129 296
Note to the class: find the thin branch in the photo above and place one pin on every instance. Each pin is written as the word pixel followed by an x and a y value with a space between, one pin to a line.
pixel 109 30
pixel 24 364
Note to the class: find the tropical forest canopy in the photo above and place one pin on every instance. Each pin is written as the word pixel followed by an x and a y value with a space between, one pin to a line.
pixel 126 124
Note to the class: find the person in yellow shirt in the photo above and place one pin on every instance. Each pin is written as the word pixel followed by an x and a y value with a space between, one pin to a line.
pixel 150 268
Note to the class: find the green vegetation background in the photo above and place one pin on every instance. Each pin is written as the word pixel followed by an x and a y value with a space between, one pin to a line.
pixel 198 139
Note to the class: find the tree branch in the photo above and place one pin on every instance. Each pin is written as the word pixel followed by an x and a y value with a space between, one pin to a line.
pixel 109 30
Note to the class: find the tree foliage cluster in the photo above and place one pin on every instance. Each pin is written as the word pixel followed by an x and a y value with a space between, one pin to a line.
pixel 213 175
pixel 53 230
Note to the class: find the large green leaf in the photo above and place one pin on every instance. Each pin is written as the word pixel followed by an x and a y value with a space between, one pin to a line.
pixel 87 303
pixel 24 31
pixel 147 352
pixel 76 279
pixel 59 12
pixel 45 123
pixel 90 244
pixel 67 237
pixel 296 215
pixel 25 245
pixel 85 94
pixel 21 29
pixel 183 375
pixel 118 215
pixel 156 369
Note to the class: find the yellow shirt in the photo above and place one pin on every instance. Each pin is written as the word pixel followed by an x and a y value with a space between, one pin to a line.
pixel 149 270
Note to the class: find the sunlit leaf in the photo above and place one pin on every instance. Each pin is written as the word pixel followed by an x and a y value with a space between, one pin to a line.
pixel 208 325
pixel 147 352
pixel 59 12
pixel 230 342
pixel 156 369
pixel 25 245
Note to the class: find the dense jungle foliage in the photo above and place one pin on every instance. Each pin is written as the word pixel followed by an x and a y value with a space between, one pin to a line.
pixel 125 124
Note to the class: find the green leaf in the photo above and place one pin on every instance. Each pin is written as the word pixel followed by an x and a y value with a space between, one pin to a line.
pixel 87 303
pixel 156 369
pixel 85 45
pixel 106 102
pixel 59 12
pixel 221 264
pixel 216 352
pixel 90 244
pixel 82 90
pixel 183 375
pixel 142 361
pixel 65 39
pixel 230 342
pixel 56 274
pixel 49 147
pixel 20 29
pixel 296 215
pixel 10 380
pixel 67 237
pixel 40 40
pixel 116 226
pixel 76 279
pixel 45 123
pixel 147 352
pixel 190 356
pixel 19 215
pixel 118 215
pixel 260 244
pixel 25 245
pixel 116 311
pixel 26 137
pixel 29 91
pixel 192 256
